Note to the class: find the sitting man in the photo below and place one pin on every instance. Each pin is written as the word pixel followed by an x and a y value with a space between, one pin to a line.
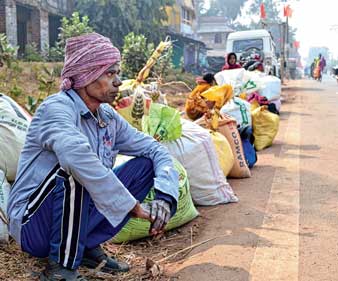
pixel 67 199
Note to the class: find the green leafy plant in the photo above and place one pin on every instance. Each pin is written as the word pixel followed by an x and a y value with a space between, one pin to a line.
pixel 47 83
pixel 32 53
pixel 135 54
pixel 71 27
pixel 15 92
pixel 7 52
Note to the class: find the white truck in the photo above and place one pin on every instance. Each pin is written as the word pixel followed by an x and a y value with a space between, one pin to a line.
pixel 258 39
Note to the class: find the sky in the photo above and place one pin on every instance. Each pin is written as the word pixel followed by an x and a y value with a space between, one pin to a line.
pixel 313 19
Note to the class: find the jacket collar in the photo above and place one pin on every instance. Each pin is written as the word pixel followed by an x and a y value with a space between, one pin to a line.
pixel 84 111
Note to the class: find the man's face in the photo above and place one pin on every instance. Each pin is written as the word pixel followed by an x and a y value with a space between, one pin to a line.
pixel 106 87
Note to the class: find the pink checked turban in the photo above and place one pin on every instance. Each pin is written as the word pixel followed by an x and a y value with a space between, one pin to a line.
pixel 87 58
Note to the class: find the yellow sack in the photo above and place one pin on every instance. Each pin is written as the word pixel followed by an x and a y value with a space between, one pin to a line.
pixel 254 105
pixel 227 127
pixel 224 152
pixel 243 96
pixel 265 127
pixel 219 94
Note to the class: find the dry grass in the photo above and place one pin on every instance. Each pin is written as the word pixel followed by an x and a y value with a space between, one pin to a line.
pixel 19 266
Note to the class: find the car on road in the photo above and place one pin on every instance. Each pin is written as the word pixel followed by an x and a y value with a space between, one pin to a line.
pixel 259 39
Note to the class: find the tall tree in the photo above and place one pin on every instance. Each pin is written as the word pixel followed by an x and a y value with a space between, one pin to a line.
pixel 224 8
pixel 116 18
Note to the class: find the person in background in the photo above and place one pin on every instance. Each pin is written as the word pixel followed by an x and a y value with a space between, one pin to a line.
pixel 196 106
pixel 231 62
pixel 322 65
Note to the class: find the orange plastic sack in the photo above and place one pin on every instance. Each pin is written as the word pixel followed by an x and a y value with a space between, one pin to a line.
pixel 227 126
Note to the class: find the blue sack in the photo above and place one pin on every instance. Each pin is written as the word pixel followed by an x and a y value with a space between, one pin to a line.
pixel 248 140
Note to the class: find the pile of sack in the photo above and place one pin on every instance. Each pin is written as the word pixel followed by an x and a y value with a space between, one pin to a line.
pixel 221 144
pixel 14 122
pixel 256 103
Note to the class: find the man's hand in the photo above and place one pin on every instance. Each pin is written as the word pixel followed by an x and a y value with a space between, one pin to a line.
pixel 139 212
pixel 159 211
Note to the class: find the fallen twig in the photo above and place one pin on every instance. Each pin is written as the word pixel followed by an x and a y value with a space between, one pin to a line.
pixel 188 248
pixel 176 82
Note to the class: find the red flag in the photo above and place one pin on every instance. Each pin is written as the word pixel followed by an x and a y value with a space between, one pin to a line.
pixel 263 14
pixel 296 44
pixel 287 11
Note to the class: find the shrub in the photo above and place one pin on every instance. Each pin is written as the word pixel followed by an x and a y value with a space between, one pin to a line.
pixel 74 26
pixel 7 52
pixel 32 53
pixel 135 54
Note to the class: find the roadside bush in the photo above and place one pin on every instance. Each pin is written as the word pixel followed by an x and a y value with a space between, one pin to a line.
pixel 135 54
pixel 71 27
pixel 32 53
pixel 7 52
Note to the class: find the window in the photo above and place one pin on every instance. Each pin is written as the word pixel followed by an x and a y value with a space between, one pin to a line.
pixel 218 38
pixel 242 45
pixel 186 16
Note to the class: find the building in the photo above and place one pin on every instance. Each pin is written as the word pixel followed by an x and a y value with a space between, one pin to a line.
pixel 32 21
pixel 213 31
pixel 181 27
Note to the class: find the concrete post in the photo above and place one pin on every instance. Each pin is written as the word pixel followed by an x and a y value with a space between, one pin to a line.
pixel 11 23
pixel 44 31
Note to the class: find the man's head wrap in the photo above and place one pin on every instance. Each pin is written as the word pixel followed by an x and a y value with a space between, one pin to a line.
pixel 87 57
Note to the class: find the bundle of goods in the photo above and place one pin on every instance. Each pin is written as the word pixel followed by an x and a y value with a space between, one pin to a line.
pixel 238 109
pixel 224 152
pixel 218 95
pixel 186 211
pixel 265 127
pixel 4 192
pixel 163 123
pixel 248 141
pixel 233 77
pixel 14 122
pixel 196 151
pixel 134 99
pixel 134 107
pixel 227 126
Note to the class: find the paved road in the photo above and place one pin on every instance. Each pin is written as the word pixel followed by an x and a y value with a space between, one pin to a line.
pixel 285 227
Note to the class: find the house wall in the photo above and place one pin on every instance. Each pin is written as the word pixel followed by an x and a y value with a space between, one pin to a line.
pixel 209 40
pixel 34 20
pixel 2 16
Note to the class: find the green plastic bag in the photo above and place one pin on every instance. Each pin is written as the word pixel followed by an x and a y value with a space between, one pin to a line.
pixel 186 211
pixel 163 123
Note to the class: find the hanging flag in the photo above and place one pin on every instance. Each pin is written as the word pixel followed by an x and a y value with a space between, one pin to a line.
pixel 263 14
pixel 296 44
pixel 287 11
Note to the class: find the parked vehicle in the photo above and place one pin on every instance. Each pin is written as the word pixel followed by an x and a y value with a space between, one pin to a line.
pixel 252 60
pixel 258 39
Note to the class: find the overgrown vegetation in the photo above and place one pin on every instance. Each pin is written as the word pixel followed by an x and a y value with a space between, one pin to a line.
pixel 74 26
pixel 32 53
pixel 135 54
pixel 7 52
pixel 46 78
pixel 116 19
